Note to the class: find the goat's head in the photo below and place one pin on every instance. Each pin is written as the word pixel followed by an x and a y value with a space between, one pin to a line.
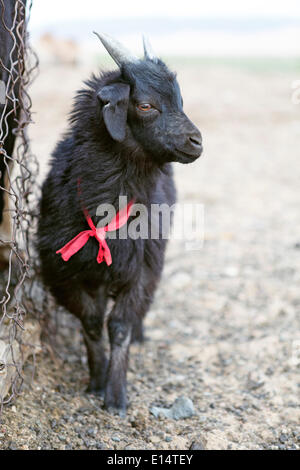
pixel 146 101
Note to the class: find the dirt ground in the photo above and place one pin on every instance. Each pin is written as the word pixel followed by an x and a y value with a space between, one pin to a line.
pixel 224 328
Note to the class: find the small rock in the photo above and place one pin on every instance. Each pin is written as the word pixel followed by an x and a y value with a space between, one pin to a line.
pixel 253 384
pixel 197 445
pixel 53 423
pixel 115 439
pixel 155 439
pixel 283 438
pixel 12 446
pixel 182 408
pixel 100 446
pixel 91 432
pixel 179 443
pixel 139 422
pixel 157 411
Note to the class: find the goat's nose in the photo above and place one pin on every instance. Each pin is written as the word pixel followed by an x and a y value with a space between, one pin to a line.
pixel 196 141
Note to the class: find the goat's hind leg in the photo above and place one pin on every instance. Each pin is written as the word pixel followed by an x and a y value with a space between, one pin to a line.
pixel 90 309
pixel 92 332
pixel 137 334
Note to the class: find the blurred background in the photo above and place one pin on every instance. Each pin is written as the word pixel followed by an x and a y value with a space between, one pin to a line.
pixel 197 37
pixel 195 28
pixel 224 329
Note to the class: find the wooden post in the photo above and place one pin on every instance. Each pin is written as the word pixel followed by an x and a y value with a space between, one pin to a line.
pixel 14 354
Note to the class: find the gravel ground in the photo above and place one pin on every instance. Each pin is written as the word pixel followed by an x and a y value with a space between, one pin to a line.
pixel 224 328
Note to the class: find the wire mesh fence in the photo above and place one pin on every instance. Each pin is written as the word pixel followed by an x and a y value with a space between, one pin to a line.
pixel 18 189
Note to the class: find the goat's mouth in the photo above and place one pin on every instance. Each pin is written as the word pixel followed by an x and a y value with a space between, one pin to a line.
pixel 184 157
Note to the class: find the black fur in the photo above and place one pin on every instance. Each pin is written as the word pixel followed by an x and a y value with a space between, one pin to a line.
pixel 132 159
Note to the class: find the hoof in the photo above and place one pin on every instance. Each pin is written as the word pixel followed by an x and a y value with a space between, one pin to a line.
pixel 112 410
pixel 94 390
pixel 117 404
pixel 137 335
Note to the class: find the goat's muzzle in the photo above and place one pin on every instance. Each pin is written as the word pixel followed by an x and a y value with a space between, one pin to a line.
pixel 191 147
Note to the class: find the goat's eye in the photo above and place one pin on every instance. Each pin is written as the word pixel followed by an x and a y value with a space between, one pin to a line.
pixel 144 106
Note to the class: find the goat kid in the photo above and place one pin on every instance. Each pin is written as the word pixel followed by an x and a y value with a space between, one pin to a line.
pixel 125 129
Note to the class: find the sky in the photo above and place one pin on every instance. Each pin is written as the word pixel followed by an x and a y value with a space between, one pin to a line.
pixel 44 12
pixel 177 27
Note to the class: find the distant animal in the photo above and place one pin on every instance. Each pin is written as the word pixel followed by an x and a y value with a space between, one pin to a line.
pixel 58 51
pixel 126 128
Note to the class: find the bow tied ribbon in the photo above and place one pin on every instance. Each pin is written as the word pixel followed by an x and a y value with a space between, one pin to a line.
pixel 74 245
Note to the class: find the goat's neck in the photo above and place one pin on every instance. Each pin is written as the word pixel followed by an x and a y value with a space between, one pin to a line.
pixel 134 178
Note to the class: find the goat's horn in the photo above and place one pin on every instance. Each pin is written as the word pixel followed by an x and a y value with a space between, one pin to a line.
pixel 148 51
pixel 119 53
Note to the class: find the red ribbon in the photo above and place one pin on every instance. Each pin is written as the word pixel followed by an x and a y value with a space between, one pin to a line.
pixel 99 233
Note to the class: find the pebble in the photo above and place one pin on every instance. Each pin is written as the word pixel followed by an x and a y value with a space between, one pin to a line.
pixel 155 439
pixel 197 445
pixel 53 423
pixel 100 446
pixel 139 422
pixel 182 408
pixel 13 446
pixel 283 438
pixel 91 432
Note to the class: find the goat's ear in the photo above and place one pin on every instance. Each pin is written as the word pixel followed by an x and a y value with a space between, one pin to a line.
pixel 115 98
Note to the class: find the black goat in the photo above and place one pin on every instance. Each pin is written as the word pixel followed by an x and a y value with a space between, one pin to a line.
pixel 125 129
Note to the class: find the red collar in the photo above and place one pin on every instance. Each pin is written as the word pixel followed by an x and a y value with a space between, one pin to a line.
pixel 99 233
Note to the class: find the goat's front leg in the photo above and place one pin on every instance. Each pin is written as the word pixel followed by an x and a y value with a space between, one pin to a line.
pixel 115 392
pixel 126 316
pixel 125 325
